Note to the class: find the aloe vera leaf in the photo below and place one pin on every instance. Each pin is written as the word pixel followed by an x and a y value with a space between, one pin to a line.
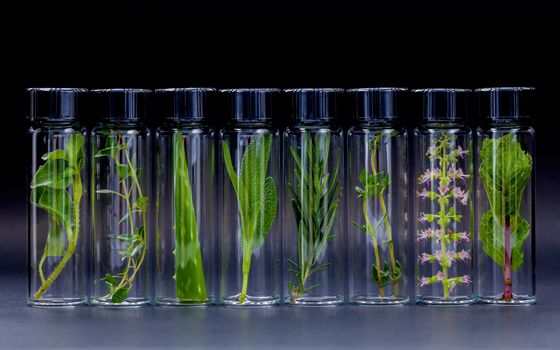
pixel 189 270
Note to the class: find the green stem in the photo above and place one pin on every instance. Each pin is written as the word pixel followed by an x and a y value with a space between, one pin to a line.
pixel 73 238
pixel 442 217
pixel 387 224
pixel 247 255
pixel 371 231
pixel 127 280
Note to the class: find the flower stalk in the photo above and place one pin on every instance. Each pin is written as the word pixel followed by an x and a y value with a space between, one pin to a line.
pixel 441 185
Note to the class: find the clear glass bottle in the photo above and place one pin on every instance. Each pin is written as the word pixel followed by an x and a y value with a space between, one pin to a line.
pixel 313 167
pixel 505 169
pixel 121 196
pixel 57 271
pixel 443 207
pixel 186 259
pixel 249 183
pixel 377 199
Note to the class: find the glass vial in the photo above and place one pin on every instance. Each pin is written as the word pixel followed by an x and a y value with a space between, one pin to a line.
pixel 443 207
pixel 186 258
pixel 313 168
pixel 120 153
pixel 377 199
pixel 57 272
pixel 249 180
pixel 505 169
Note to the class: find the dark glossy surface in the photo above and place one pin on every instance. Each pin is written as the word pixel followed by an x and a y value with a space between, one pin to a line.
pixel 282 327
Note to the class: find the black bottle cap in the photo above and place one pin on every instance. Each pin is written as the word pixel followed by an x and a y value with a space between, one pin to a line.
pixel 376 103
pixel 250 105
pixel 314 104
pixel 121 104
pixel 444 104
pixel 505 103
pixel 182 104
pixel 55 104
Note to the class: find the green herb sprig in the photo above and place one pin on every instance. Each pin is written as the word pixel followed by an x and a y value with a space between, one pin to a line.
pixel 315 201
pixel 57 189
pixel 504 170
pixel 374 185
pixel 256 198
pixel 135 243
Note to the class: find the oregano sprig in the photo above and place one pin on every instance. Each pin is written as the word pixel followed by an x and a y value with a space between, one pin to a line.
pixel 374 184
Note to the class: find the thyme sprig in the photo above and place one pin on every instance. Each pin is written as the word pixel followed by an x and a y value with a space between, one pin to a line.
pixel 135 243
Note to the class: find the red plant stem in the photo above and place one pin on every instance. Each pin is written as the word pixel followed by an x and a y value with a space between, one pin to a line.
pixel 508 294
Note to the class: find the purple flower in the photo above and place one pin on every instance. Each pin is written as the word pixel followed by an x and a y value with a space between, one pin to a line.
pixel 465 279
pixel 424 281
pixel 429 233
pixel 439 255
pixel 464 236
pixel 465 199
pixel 455 173
pixel 461 152
pixel 463 255
pixel 425 258
pixel 429 175
pixel 443 190
pixel 424 234
pixel 422 194
pixel 423 218
pixel 441 276
pixel 461 195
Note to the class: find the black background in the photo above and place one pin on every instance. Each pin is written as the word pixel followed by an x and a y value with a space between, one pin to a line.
pixel 278 43
pixel 221 43
pixel 344 43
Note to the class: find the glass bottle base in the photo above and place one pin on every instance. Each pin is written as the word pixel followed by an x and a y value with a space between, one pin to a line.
pixel 174 302
pixel 250 301
pixel 458 300
pixel 130 302
pixel 316 301
pixel 367 300
pixel 57 302
pixel 516 300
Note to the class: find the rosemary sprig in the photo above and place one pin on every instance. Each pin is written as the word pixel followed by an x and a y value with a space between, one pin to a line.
pixel 135 243
pixel 315 201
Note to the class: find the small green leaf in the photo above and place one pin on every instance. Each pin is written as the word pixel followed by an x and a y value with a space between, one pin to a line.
pixel 56 154
pixel 52 174
pixel 141 203
pixel 110 280
pixel 120 295
pixel 123 171
pixel 107 191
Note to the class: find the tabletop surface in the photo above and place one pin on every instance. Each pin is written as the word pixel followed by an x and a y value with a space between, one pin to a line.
pixel 409 326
